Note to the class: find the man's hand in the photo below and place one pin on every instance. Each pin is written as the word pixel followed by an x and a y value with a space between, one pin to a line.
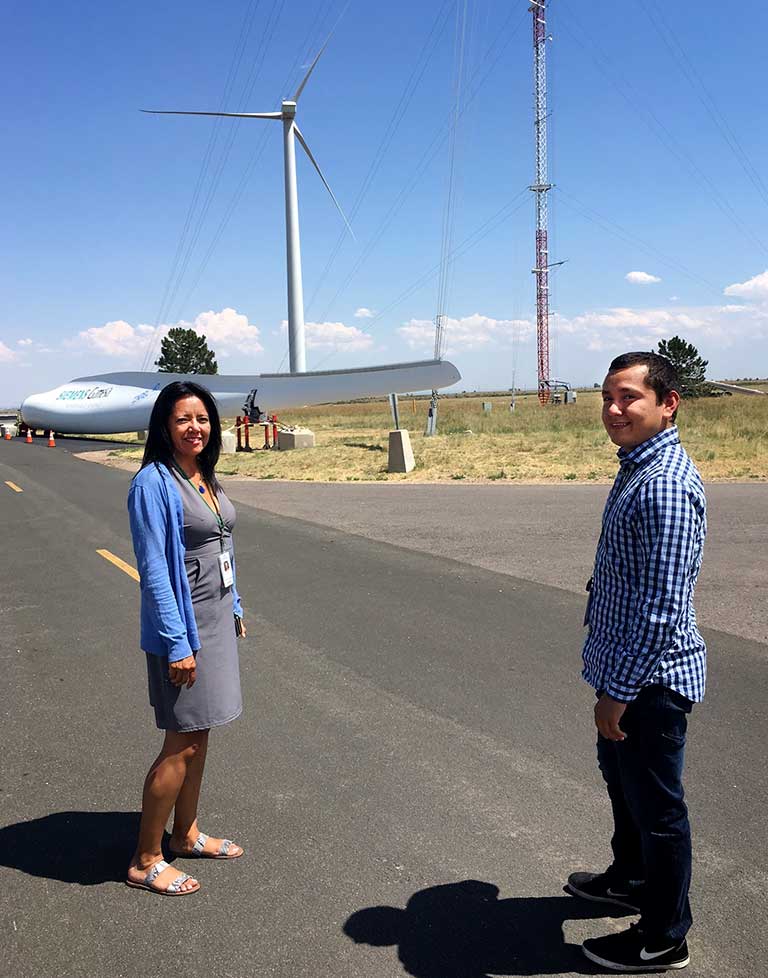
pixel 608 713
pixel 182 673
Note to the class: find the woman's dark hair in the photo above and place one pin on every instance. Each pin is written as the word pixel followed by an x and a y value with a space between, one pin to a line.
pixel 159 447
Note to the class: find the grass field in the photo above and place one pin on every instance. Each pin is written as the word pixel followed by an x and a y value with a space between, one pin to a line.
pixel 727 438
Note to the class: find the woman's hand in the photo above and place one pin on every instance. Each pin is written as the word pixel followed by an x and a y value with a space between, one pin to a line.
pixel 182 673
pixel 243 630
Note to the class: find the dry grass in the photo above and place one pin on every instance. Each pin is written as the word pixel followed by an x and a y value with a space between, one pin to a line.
pixel 727 438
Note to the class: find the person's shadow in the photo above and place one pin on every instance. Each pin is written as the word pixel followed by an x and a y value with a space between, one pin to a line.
pixel 462 930
pixel 74 847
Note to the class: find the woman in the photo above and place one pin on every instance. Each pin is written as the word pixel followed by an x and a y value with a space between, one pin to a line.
pixel 181 524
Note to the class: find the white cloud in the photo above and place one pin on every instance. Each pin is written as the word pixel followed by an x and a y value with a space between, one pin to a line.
pixel 364 313
pixel 475 332
pixel 753 288
pixel 226 332
pixel 605 329
pixel 641 278
pixel 26 342
pixel 335 336
pixel 115 339
pixel 7 355
pixel 674 298
pixel 648 320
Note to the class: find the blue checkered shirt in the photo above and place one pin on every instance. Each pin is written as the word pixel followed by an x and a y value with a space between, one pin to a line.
pixel 642 626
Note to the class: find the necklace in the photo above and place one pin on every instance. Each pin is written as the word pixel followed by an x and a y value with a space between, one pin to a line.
pixel 200 488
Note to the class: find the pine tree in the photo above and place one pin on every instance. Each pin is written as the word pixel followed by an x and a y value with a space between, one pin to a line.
pixel 184 352
pixel 690 366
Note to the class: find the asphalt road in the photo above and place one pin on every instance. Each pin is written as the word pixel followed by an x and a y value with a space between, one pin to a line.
pixel 412 779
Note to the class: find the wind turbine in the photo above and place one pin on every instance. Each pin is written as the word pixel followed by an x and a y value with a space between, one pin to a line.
pixel 287 114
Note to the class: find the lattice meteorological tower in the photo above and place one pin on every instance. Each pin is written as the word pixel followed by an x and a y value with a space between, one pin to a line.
pixel 540 188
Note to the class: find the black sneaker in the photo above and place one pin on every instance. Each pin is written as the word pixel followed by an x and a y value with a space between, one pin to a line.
pixel 601 888
pixel 628 951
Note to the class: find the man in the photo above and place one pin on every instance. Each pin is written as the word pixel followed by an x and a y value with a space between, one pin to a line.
pixel 646 660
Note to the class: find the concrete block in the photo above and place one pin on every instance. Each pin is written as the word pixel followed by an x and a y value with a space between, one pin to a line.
pixel 228 442
pixel 400 457
pixel 298 438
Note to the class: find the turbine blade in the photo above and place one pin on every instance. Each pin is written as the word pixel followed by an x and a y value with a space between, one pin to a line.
pixel 233 115
pixel 300 89
pixel 308 151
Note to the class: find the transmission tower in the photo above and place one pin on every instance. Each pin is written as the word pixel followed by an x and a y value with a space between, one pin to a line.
pixel 540 188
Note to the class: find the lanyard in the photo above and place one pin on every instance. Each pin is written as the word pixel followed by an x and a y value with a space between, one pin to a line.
pixel 215 509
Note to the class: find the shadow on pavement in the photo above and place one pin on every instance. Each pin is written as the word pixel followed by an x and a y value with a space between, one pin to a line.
pixel 462 930
pixel 74 847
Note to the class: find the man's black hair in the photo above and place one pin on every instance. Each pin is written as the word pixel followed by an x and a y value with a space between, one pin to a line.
pixel 661 377
pixel 159 447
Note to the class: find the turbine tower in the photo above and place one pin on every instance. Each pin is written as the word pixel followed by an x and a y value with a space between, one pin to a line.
pixel 287 114
pixel 541 187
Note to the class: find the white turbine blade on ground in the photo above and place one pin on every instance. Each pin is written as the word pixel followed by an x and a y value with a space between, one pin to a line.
pixel 232 115
pixel 300 89
pixel 308 151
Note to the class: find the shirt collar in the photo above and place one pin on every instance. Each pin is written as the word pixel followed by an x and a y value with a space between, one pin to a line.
pixel 640 454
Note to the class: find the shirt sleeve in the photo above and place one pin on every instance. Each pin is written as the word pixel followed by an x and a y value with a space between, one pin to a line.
pixel 665 522
pixel 149 530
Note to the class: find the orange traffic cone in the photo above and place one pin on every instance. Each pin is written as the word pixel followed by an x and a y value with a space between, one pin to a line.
pixel 29 437
pixel 51 442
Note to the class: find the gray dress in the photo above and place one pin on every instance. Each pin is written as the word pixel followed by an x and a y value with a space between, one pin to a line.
pixel 215 697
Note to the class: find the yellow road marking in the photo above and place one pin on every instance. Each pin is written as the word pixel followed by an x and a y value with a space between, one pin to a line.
pixel 126 568
pixel 12 485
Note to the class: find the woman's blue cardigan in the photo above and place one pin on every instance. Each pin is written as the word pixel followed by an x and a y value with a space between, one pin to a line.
pixel 156 516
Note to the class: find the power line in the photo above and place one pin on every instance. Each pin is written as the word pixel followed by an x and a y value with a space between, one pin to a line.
pixel 449 213
pixel 212 139
pixel 188 242
pixel 632 239
pixel 422 63
pixel 481 232
pixel 309 46
pixel 662 133
pixel 231 136
pixel 429 154
pixel 679 55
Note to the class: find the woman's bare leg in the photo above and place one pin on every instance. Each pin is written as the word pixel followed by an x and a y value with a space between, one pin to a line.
pixel 185 830
pixel 162 787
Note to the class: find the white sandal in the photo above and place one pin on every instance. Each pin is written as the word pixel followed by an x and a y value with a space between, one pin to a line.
pixel 197 850
pixel 174 888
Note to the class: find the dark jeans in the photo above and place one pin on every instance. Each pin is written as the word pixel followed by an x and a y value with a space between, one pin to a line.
pixel 652 836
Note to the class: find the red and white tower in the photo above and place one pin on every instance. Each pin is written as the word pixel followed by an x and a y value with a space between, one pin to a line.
pixel 541 187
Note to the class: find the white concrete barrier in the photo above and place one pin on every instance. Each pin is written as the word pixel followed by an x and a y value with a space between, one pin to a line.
pixel 400 457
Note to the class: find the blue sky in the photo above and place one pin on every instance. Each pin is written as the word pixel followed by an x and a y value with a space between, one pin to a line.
pixel 114 228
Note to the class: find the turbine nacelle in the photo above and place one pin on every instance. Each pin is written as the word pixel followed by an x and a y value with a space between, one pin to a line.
pixel 289 109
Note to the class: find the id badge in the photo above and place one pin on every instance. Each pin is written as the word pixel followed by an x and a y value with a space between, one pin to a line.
pixel 225 569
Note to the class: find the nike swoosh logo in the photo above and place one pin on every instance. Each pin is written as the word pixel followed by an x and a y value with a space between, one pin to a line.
pixel 650 955
pixel 613 893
